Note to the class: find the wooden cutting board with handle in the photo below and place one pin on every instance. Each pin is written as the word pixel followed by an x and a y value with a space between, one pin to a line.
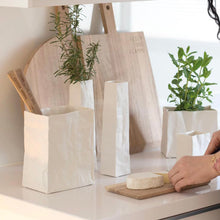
pixel 122 56
pixel 139 194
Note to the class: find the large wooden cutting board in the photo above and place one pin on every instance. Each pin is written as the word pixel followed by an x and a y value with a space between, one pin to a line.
pixel 123 56
pixel 121 189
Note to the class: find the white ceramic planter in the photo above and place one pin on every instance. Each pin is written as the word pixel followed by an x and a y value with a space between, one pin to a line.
pixel 115 158
pixel 192 143
pixel 183 121
pixel 58 149
pixel 82 94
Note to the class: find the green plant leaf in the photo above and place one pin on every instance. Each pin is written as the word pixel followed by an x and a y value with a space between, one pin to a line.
pixel 175 81
pixel 190 59
pixel 186 72
pixel 209 100
pixel 187 49
pixel 194 52
pixel 173 60
pixel 209 84
pixel 180 53
pixel 197 64
pixel 206 59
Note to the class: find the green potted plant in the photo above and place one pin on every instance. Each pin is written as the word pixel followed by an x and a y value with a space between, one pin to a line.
pixel 189 88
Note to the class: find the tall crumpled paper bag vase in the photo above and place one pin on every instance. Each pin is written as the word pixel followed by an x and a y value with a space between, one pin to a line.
pixel 115 157
pixel 58 149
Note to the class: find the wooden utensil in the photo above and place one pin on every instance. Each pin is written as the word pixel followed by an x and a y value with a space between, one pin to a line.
pixel 21 85
pixel 139 194
pixel 123 56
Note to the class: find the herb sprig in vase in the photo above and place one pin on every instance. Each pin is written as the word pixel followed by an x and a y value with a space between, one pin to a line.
pixel 67 31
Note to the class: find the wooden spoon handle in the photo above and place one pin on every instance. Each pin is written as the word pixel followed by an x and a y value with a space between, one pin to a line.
pixel 21 85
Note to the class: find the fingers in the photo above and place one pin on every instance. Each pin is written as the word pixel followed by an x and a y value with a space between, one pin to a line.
pixel 178 181
pixel 176 174
pixel 210 148
pixel 176 178
pixel 173 171
pixel 214 143
pixel 181 184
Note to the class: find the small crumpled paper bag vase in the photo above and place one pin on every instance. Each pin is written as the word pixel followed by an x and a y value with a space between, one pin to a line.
pixel 58 149
pixel 193 143
pixel 183 121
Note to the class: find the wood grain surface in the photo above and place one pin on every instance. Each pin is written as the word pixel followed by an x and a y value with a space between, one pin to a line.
pixel 47 89
pixel 121 189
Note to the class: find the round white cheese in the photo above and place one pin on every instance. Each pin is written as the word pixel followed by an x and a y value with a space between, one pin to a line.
pixel 145 180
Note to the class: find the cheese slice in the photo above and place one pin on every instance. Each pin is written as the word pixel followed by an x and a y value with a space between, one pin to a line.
pixel 144 180
pixel 165 176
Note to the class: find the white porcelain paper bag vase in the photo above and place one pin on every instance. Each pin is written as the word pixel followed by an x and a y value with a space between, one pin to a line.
pixel 82 94
pixel 58 149
pixel 192 143
pixel 115 157
pixel 183 121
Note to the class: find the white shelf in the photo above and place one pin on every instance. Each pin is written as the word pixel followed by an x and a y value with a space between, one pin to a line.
pixel 94 203
pixel 47 3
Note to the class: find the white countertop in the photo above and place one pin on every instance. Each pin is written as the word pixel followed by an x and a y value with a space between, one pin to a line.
pixel 93 202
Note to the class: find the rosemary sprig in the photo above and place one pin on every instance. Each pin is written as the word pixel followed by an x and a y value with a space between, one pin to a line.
pixel 67 32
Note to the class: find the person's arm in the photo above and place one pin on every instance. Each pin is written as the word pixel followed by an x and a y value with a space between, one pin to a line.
pixel 190 170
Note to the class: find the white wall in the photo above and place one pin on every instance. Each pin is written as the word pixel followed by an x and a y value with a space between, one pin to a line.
pixel 21 32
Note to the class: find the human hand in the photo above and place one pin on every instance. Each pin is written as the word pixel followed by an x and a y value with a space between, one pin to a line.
pixel 214 144
pixel 190 170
